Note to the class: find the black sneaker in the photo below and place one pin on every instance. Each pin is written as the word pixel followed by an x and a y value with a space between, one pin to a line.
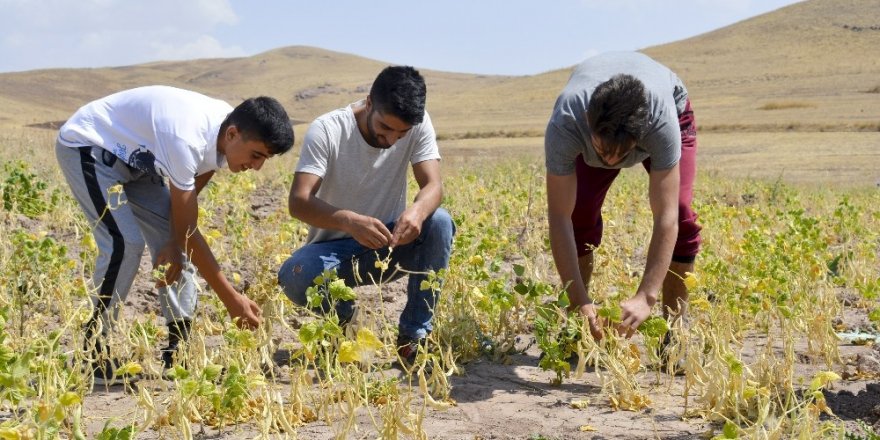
pixel 103 367
pixel 663 365
pixel 106 373
pixel 178 331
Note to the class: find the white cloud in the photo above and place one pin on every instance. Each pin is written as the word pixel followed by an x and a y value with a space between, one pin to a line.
pixel 79 33
pixel 205 46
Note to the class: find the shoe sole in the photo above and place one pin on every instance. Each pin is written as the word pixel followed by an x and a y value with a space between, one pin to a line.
pixel 116 381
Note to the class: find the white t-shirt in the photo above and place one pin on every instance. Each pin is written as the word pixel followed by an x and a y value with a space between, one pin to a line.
pixel 156 129
pixel 356 176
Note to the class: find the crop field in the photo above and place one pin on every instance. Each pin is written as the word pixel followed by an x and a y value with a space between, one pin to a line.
pixel 778 343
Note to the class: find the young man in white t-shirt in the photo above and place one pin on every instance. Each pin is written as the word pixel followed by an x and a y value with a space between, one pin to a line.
pixel 136 140
pixel 350 186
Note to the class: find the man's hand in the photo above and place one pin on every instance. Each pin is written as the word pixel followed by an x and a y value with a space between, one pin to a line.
pixel 593 320
pixel 407 228
pixel 369 232
pixel 170 256
pixel 246 313
pixel 634 312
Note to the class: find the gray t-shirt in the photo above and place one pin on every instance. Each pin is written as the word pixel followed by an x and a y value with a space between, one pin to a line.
pixel 568 134
pixel 356 176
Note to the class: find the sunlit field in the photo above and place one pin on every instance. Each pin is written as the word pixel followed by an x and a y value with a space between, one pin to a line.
pixel 784 269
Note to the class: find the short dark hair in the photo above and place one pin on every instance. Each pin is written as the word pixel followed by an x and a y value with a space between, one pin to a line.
pixel 264 119
pixel 400 91
pixel 618 112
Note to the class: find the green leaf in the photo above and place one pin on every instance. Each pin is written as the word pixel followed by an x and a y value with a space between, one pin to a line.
pixel 314 297
pixel 340 292
pixel 610 313
pixel 730 430
pixel 654 327
pixel 519 269
pixel 735 365
pixel 212 372
pixel 874 316
pixel 308 333
pixel 562 300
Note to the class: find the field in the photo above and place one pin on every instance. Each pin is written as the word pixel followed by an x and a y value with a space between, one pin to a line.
pixel 790 260
pixel 784 314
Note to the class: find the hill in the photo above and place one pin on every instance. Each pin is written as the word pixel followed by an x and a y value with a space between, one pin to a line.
pixel 809 66
pixel 812 66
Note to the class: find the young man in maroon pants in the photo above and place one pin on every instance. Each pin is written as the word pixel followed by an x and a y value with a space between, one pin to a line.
pixel 618 110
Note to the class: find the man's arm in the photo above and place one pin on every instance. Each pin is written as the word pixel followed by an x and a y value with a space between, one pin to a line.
pixel 663 195
pixel 184 219
pixel 561 196
pixel 561 193
pixel 304 205
pixel 408 225
pixel 202 180
pixel 169 256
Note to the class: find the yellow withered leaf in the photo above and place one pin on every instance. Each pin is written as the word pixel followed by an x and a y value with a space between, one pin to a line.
pixel 822 379
pixel 367 340
pixel 579 403
pixel 69 398
pixel 348 352
pixel 130 368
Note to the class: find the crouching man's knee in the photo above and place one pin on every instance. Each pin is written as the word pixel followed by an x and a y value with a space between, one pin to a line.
pixel 439 227
pixel 294 280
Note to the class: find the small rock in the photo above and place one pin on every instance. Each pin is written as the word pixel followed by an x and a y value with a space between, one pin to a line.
pixel 869 364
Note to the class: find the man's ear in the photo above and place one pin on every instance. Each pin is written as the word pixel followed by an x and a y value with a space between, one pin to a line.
pixel 231 132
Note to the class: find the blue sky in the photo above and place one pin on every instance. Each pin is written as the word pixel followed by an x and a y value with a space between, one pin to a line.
pixel 512 37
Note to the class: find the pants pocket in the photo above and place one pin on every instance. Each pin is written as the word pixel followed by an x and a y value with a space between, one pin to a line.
pixel 108 158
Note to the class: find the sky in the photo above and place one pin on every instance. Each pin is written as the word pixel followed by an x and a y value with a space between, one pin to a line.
pixel 507 37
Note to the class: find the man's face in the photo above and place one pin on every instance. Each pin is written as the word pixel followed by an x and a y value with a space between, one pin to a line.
pixel 384 129
pixel 609 156
pixel 243 155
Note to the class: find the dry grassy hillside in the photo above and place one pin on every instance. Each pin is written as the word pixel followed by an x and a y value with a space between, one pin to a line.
pixel 811 66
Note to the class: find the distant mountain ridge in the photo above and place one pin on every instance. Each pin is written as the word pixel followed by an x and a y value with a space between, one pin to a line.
pixel 809 66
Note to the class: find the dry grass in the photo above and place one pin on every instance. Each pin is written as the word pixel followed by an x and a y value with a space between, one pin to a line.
pixel 491 134
pixel 811 159
pixel 782 105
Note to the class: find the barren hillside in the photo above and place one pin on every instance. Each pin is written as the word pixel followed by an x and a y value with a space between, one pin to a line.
pixel 808 67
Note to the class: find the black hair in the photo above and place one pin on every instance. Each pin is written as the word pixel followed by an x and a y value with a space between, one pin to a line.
pixel 400 91
pixel 263 119
pixel 618 112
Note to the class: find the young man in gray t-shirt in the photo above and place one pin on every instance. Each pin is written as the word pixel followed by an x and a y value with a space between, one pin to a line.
pixel 618 110
pixel 350 186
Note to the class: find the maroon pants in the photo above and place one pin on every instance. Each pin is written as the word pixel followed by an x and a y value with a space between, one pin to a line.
pixel 593 184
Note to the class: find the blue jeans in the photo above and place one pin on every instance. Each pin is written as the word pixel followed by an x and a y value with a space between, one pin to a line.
pixel 429 251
